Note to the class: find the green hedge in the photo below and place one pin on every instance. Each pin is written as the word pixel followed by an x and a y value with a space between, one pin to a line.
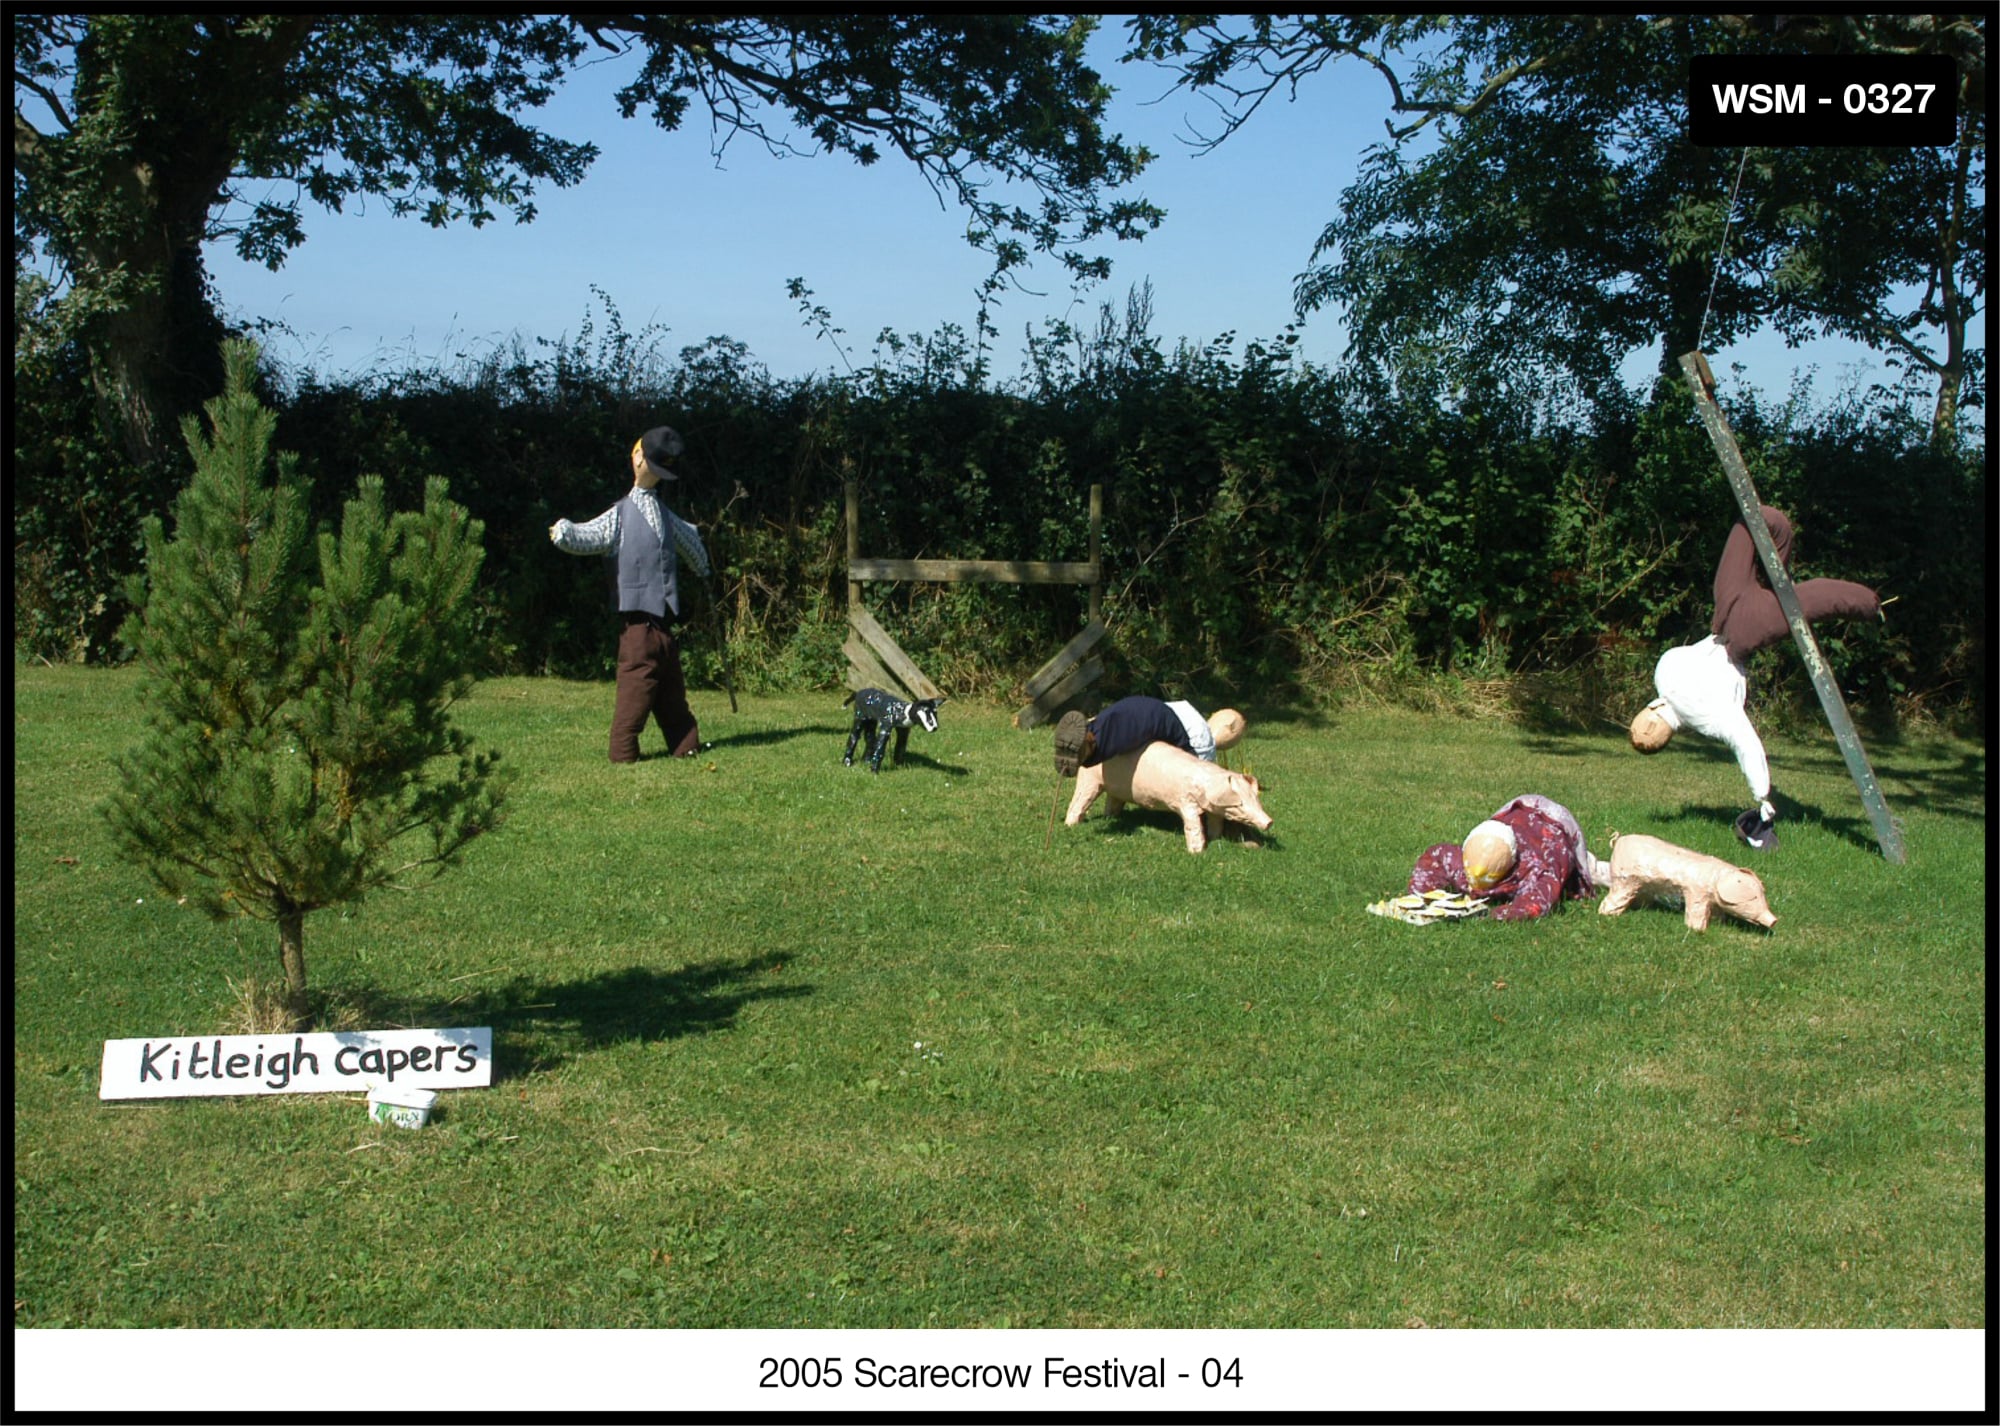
pixel 1268 524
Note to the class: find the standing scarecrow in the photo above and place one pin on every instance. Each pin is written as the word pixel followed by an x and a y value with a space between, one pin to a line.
pixel 646 544
pixel 1702 685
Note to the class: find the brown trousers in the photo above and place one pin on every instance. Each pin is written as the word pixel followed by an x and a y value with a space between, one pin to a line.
pixel 1747 614
pixel 650 685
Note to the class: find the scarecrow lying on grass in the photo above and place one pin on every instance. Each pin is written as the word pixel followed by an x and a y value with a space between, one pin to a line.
pixel 1526 857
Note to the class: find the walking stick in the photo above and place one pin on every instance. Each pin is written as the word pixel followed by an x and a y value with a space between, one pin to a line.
pixel 715 605
pixel 722 643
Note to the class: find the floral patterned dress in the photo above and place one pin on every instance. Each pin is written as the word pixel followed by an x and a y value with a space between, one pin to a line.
pixel 1550 862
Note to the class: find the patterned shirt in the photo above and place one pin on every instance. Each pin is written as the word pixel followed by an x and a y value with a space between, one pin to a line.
pixel 1550 863
pixel 1201 737
pixel 600 536
pixel 1701 687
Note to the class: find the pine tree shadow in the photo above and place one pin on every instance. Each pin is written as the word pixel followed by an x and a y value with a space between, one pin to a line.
pixel 541 1024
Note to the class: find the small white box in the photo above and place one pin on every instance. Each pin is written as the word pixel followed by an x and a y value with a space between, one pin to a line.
pixel 406 1108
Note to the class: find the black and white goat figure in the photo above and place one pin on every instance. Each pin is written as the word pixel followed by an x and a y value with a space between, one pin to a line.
pixel 880 713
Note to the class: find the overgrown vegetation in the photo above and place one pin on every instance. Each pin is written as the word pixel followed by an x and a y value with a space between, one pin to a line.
pixel 1269 524
pixel 1422 520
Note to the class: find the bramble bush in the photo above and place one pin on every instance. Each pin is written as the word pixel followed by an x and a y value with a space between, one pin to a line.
pixel 1271 528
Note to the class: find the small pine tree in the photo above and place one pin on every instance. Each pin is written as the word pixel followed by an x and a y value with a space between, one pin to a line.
pixel 301 750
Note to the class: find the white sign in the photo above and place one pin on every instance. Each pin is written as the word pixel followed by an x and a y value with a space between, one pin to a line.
pixel 182 1065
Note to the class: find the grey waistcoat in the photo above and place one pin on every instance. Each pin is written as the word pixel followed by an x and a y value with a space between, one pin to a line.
pixel 648 575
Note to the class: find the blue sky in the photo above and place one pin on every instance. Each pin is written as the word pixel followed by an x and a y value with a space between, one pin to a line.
pixel 677 238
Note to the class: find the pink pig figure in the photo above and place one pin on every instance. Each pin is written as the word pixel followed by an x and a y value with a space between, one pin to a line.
pixel 1645 868
pixel 1164 778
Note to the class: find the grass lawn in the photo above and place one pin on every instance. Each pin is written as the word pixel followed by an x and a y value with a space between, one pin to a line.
pixel 783 1044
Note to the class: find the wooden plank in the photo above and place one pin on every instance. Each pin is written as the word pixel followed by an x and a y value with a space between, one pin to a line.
pixel 853 541
pixel 865 671
pixel 975 571
pixel 1886 834
pixel 893 658
pixel 1071 655
pixel 1038 711
pixel 1096 555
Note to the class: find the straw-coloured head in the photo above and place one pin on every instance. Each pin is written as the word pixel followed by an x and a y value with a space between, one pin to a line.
pixel 1488 854
pixel 1650 729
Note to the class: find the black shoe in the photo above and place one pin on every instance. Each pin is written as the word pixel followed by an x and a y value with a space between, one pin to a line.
pixel 1754 832
pixel 1073 742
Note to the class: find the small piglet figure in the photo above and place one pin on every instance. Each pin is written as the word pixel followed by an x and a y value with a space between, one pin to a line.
pixel 1166 779
pixel 1643 869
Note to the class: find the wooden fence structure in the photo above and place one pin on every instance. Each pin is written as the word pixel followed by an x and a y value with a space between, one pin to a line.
pixel 875 660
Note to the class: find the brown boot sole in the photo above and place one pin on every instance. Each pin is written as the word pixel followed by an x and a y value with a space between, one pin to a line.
pixel 1072 733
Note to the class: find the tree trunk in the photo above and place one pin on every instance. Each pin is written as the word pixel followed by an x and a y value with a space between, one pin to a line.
pixel 292 953
pixel 123 367
pixel 155 358
pixel 1686 293
pixel 1951 375
pixel 174 101
pixel 1944 418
